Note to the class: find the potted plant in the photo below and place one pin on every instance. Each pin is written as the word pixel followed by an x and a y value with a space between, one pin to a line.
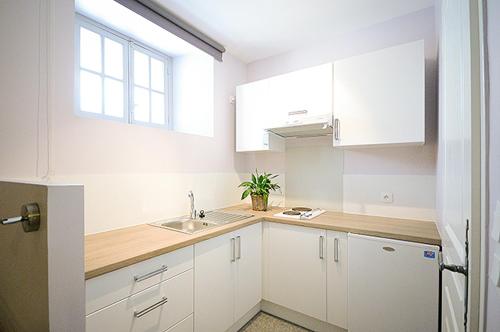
pixel 258 188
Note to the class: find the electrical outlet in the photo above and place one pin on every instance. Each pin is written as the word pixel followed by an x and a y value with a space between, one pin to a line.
pixel 386 197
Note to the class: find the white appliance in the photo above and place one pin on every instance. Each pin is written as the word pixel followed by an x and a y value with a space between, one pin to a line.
pixel 306 215
pixel 393 285
pixel 299 124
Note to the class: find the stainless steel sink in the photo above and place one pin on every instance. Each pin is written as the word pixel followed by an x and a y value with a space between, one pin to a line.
pixel 212 219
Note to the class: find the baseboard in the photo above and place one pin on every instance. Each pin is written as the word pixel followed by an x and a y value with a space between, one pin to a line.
pixel 298 318
pixel 245 319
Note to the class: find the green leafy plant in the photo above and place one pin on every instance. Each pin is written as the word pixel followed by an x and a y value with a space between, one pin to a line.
pixel 260 185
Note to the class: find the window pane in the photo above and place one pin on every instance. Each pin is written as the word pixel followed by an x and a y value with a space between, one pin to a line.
pixel 90 50
pixel 141 69
pixel 158 108
pixel 141 104
pixel 90 92
pixel 113 58
pixel 157 75
pixel 113 97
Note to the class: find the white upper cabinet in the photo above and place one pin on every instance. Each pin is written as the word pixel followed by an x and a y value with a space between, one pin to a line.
pixel 252 118
pixel 279 101
pixel 380 97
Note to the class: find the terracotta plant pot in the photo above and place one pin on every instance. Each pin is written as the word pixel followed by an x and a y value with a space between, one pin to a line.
pixel 259 202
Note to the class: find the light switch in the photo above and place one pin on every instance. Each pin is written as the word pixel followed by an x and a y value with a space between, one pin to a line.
pixel 386 197
pixel 495 271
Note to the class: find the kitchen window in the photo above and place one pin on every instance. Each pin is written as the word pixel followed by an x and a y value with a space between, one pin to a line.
pixel 120 78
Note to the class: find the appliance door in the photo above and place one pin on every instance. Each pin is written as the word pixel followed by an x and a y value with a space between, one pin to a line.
pixel 393 285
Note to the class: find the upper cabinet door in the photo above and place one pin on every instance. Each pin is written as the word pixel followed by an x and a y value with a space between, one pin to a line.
pixel 379 97
pixel 253 116
pixel 308 91
pixel 279 101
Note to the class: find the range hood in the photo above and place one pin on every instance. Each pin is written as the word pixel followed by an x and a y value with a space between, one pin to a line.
pixel 311 126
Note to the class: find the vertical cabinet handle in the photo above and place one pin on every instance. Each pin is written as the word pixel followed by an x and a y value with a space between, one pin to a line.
pixel 321 253
pixel 238 252
pixel 233 255
pixel 336 126
pixel 336 250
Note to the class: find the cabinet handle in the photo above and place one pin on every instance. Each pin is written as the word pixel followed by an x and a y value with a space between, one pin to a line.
pixel 238 239
pixel 140 313
pixel 233 255
pixel 336 126
pixel 297 112
pixel 321 254
pixel 162 269
pixel 336 250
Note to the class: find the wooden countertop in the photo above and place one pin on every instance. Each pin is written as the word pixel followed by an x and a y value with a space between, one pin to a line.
pixel 112 250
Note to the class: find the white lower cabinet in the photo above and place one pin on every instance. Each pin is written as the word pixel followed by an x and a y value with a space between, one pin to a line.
pixel 336 284
pixel 227 280
pixel 154 309
pixel 295 268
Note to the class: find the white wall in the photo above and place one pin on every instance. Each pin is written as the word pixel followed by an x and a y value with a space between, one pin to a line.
pixel 132 174
pixel 135 174
pixel 407 172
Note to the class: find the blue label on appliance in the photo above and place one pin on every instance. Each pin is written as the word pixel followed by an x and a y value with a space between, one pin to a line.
pixel 429 254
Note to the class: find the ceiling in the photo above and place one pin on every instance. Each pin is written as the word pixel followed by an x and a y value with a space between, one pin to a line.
pixel 257 29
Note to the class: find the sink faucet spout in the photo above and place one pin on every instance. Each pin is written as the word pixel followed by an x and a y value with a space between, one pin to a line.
pixel 192 213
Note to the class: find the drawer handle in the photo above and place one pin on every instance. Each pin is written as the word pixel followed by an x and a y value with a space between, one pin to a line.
pixel 389 249
pixel 162 269
pixel 140 313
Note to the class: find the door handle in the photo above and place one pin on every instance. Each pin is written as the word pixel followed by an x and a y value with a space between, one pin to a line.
pixel 233 254
pixel 321 250
pixel 336 250
pixel 336 126
pixel 238 242
pixel 30 218
pixel 462 269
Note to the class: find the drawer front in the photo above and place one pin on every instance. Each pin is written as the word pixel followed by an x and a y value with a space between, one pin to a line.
pixel 111 287
pixel 154 309
pixel 185 326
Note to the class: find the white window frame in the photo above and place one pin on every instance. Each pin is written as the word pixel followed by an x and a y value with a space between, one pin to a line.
pixel 166 86
pixel 128 46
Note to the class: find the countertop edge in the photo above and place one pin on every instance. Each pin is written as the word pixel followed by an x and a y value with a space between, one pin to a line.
pixel 142 257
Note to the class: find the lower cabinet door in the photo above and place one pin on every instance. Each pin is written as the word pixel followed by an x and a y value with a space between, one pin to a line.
pixel 154 309
pixel 248 269
pixel 336 272
pixel 214 261
pixel 295 268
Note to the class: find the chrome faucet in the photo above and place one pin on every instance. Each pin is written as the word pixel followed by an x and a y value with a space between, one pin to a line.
pixel 192 213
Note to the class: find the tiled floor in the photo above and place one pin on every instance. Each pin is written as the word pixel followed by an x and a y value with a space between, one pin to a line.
pixel 263 322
